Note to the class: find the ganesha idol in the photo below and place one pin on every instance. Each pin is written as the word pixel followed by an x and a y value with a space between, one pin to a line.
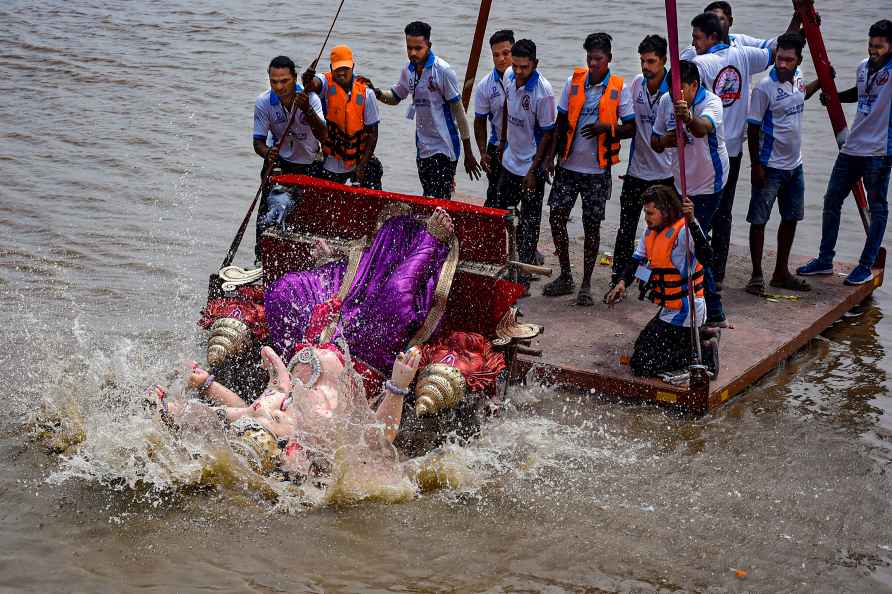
pixel 381 299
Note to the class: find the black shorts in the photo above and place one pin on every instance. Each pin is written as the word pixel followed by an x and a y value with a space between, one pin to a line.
pixel 593 187
pixel 374 172
pixel 437 176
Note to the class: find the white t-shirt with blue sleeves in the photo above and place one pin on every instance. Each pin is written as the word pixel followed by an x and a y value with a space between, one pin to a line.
pixel 531 113
pixel 726 71
pixel 432 91
pixel 676 317
pixel 271 119
pixel 737 40
pixel 489 103
pixel 583 157
pixel 644 162
pixel 706 158
pixel 777 107
pixel 871 132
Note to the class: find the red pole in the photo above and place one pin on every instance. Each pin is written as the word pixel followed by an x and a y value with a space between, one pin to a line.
pixel 474 57
pixel 675 73
pixel 821 61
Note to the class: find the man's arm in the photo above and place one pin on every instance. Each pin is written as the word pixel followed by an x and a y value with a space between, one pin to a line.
pixel 461 119
pixel 261 130
pixel 312 108
pixel 560 136
pixel 849 95
pixel 543 150
pixel 812 88
pixel 481 140
pixel 371 141
pixel 699 126
pixel 757 175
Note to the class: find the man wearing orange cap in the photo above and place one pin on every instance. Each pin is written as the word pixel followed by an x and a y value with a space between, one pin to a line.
pixel 351 115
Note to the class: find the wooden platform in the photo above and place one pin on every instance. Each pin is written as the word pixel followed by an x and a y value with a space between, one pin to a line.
pixel 583 346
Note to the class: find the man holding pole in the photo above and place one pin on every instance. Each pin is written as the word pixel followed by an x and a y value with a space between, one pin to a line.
pixel 272 110
pixel 441 128
pixel 490 99
pixel 662 264
pixel 726 71
pixel 705 160
pixel 866 154
pixel 295 135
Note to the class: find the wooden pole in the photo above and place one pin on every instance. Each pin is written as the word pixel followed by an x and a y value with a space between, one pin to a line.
pixel 474 57
pixel 675 72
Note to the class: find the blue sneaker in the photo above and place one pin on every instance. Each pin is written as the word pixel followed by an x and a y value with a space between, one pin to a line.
pixel 859 275
pixel 815 267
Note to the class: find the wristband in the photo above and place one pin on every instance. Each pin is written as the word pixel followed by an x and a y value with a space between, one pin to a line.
pixel 207 384
pixel 391 387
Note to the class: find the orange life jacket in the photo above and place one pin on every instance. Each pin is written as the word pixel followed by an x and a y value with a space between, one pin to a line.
pixel 667 287
pixel 345 118
pixel 608 113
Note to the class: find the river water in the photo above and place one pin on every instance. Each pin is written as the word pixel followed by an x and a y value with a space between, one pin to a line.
pixel 126 166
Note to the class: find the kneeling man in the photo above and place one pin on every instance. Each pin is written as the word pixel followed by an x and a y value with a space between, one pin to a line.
pixel 662 264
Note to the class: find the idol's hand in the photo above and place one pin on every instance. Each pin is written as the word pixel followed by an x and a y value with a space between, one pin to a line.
pixel 405 367
pixel 198 375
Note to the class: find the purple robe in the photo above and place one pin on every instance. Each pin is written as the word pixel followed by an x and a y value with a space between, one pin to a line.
pixel 388 301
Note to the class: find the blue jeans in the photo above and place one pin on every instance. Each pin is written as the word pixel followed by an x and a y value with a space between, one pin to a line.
pixel 705 207
pixel 846 171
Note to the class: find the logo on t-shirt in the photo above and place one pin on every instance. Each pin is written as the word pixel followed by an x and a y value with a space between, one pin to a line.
pixel 882 78
pixel 727 85
pixel 525 102
pixel 781 94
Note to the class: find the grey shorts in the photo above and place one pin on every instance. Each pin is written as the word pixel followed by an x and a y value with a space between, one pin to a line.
pixel 593 187
pixel 788 187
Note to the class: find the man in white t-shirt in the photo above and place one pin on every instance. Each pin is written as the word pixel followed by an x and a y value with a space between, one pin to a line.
pixel 489 106
pixel 866 154
pixel 441 127
pixel 530 128
pixel 726 71
pixel 705 156
pixel 774 135
pixel 722 10
pixel 594 112
pixel 272 112
pixel 646 167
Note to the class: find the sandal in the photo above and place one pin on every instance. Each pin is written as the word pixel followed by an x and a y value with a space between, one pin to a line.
pixel 562 285
pixel 756 286
pixel 584 298
pixel 791 283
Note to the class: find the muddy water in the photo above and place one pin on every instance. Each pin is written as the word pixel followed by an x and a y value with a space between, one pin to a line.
pixel 126 166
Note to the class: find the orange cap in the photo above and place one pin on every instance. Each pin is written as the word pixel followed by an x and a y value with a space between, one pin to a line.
pixel 341 56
